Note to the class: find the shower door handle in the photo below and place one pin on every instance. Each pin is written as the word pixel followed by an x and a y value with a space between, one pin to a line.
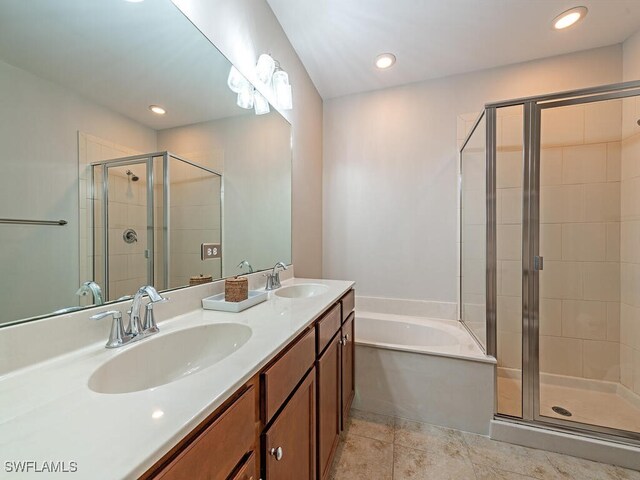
pixel 538 263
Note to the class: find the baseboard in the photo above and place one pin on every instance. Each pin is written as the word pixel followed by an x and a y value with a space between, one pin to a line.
pixel 598 450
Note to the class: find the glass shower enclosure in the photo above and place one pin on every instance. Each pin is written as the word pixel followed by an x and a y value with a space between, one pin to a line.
pixel 550 256
pixel 151 213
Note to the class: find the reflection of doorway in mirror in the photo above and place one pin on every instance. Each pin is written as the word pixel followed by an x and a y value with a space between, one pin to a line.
pixel 91 149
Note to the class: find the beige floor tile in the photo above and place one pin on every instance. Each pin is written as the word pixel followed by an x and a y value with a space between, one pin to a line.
pixel 484 472
pixel 511 458
pixel 372 425
pixel 580 469
pixel 429 438
pixel 362 458
pixel 409 463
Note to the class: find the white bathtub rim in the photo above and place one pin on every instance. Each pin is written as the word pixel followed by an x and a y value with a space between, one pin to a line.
pixel 430 351
pixel 452 326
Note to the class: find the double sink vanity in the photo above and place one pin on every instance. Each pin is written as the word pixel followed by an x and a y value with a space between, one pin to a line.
pixel 263 393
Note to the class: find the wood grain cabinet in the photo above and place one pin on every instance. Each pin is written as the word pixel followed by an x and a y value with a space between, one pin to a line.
pixel 289 447
pixel 216 452
pixel 348 364
pixel 328 369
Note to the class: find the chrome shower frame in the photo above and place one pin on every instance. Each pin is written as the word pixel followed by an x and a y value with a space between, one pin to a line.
pixel 532 109
pixel 148 160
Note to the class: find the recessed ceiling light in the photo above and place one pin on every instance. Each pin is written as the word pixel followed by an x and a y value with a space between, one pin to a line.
pixel 134 1
pixel 385 60
pixel 157 109
pixel 570 17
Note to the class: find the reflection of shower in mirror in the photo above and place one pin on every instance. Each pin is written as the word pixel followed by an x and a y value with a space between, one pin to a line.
pixel 132 176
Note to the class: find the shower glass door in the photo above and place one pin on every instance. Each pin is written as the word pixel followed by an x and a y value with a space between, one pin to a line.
pixel 585 291
pixel 129 227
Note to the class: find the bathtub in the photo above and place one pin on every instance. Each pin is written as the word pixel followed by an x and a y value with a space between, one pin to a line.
pixel 423 369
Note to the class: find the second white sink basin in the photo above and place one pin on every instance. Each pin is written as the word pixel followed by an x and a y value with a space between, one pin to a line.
pixel 158 361
pixel 304 290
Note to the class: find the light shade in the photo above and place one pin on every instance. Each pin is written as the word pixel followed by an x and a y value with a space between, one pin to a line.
pixel 570 17
pixel 260 103
pixel 265 68
pixel 245 98
pixel 236 81
pixel 282 89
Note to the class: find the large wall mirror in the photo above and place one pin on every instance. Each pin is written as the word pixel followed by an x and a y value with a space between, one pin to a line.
pixel 99 194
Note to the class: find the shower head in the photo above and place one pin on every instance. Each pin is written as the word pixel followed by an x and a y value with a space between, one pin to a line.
pixel 132 176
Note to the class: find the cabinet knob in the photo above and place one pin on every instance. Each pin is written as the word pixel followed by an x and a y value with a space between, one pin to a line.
pixel 277 452
pixel 346 337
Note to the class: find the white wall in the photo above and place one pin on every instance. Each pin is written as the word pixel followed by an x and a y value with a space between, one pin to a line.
pixel 389 172
pixel 253 153
pixel 242 30
pixel 39 124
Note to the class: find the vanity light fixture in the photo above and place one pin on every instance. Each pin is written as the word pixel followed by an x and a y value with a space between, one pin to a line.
pixel 385 60
pixel 157 109
pixel 569 17
pixel 260 103
pixel 272 77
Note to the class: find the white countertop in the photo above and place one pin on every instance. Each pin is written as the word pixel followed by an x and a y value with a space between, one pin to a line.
pixel 48 413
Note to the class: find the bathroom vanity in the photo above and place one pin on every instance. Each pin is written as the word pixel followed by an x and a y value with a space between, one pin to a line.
pixel 270 406
pixel 286 420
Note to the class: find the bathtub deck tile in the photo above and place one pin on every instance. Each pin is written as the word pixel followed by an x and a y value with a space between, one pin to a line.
pixel 371 425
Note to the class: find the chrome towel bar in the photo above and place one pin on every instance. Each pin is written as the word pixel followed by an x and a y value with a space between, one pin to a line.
pixel 21 221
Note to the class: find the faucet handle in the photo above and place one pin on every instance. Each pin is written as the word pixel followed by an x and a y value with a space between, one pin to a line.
pixel 117 337
pixel 149 325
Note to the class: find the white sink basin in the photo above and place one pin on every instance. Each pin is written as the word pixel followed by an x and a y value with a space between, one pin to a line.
pixel 305 290
pixel 158 361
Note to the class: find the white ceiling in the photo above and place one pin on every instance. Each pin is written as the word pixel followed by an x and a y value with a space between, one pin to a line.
pixel 124 56
pixel 337 40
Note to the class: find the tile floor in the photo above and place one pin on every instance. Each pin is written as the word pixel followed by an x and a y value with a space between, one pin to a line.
pixel 585 405
pixel 375 447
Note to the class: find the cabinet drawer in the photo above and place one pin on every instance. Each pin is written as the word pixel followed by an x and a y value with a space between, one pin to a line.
pixel 348 304
pixel 248 471
pixel 214 454
pixel 281 378
pixel 327 327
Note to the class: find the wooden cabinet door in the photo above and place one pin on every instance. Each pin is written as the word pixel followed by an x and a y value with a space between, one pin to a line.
pixel 248 470
pixel 329 404
pixel 289 443
pixel 348 359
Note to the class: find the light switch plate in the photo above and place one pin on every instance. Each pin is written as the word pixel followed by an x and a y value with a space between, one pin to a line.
pixel 210 250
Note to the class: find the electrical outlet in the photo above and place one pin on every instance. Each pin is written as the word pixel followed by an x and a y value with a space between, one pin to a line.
pixel 210 250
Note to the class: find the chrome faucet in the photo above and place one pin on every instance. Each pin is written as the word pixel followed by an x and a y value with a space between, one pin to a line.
pixel 245 263
pixel 117 337
pixel 93 288
pixel 136 329
pixel 273 278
